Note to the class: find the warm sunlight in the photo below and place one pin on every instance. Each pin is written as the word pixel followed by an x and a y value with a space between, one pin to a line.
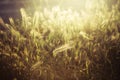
pixel 76 12
pixel 59 39
pixel 64 4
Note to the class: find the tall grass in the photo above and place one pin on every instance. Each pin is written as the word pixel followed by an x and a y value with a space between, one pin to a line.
pixel 61 44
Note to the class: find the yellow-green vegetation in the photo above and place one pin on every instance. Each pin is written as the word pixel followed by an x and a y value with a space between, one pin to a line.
pixel 56 44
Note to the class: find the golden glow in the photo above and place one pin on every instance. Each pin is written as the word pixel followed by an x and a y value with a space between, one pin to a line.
pixel 66 4
pixel 64 15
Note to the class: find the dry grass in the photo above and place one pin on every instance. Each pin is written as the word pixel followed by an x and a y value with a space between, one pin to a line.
pixel 61 45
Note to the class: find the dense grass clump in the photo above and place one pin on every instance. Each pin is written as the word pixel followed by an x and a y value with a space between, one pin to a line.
pixel 61 45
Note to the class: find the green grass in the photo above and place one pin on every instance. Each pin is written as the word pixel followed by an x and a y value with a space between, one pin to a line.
pixel 62 45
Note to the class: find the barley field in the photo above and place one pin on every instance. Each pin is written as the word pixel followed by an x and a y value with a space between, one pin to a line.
pixel 62 44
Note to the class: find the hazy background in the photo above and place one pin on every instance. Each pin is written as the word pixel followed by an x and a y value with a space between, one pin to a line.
pixel 11 8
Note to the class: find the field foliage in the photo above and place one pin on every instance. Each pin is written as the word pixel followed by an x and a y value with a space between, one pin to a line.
pixel 57 44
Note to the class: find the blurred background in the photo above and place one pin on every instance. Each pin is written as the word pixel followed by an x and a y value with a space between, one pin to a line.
pixel 11 8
